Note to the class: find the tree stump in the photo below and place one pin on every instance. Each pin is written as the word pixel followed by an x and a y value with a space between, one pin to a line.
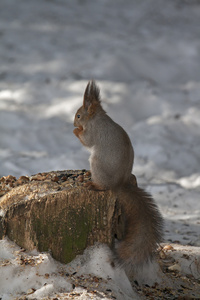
pixel 55 212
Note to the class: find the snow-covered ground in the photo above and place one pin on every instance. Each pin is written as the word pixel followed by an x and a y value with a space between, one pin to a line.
pixel 145 56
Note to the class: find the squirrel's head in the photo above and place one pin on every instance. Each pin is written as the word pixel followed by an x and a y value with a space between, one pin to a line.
pixel 91 105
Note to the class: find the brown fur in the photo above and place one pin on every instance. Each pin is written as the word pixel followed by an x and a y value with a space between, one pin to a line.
pixel 143 227
pixel 111 163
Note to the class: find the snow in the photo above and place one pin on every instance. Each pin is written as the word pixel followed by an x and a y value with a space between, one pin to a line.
pixel 16 279
pixel 145 56
pixel 37 275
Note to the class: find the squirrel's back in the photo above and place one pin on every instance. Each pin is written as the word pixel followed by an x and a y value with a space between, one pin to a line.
pixel 112 149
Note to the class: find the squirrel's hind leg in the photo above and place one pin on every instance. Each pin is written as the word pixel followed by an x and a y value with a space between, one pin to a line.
pixel 92 186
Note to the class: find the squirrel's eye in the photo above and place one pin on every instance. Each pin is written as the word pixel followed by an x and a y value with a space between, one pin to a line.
pixel 78 116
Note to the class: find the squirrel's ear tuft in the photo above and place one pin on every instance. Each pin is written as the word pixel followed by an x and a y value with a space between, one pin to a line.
pixel 91 95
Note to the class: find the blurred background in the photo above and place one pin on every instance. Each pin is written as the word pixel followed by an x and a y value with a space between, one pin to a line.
pixel 145 56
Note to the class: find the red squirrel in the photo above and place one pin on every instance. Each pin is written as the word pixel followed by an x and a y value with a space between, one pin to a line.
pixel 111 163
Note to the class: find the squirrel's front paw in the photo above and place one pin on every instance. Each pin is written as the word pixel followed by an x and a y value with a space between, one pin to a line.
pixel 78 130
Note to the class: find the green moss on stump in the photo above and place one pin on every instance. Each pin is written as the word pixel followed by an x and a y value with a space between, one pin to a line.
pixel 63 222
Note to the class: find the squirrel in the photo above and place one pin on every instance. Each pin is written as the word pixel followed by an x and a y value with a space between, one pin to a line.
pixel 111 163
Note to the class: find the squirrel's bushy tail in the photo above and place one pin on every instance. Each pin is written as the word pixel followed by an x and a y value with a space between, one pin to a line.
pixel 143 228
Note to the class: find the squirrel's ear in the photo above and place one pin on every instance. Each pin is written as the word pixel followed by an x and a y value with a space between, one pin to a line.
pixel 91 95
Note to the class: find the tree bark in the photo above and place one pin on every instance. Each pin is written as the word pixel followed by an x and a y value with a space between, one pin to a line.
pixel 55 212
